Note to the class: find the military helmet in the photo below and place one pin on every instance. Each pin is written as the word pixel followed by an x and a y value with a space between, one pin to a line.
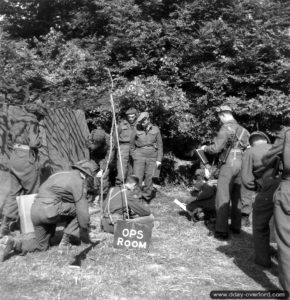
pixel 258 134
pixel 89 167
pixel 224 108
pixel 131 111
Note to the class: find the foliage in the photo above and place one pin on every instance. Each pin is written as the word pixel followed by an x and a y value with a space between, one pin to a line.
pixel 176 59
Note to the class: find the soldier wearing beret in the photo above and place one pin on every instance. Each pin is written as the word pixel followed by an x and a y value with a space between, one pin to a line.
pixel 24 142
pixel 125 129
pixel 60 199
pixel 281 149
pixel 263 180
pixel 99 144
pixel 146 148
pixel 229 180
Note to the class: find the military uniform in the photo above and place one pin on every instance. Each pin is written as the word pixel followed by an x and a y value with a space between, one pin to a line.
pixel 99 144
pixel 125 130
pixel 146 148
pixel 24 141
pixel 229 180
pixel 61 199
pixel 115 209
pixel 282 204
pixel 256 177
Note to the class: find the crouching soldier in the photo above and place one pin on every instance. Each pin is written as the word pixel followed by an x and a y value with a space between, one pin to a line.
pixel 115 206
pixel 61 199
pixel 102 152
pixel 262 179
pixel 203 205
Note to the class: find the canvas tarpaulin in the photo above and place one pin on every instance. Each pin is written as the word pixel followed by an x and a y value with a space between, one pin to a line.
pixel 63 134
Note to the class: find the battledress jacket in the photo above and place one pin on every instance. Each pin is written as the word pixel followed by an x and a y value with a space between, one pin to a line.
pixel 66 187
pixel 255 176
pixel 277 148
pixel 225 133
pixel 116 203
pixel 125 130
pixel 149 139
pixel 25 131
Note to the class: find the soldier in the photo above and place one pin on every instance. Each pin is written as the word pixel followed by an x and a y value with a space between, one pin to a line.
pixel 115 207
pixel 281 147
pixel 125 129
pixel 204 195
pixel 24 142
pixel 233 137
pixel 99 144
pixel 256 177
pixel 146 149
pixel 61 198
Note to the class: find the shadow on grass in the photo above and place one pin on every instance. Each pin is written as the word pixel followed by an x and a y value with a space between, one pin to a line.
pixel 236 249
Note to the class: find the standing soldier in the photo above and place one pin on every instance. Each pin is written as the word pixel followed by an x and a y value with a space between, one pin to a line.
pixel 281 147
pixel 61 199
pixel 231 141
pixel 146 149
pixel 102 152
pixel 258 178
pixel 125 129
pixel 24 141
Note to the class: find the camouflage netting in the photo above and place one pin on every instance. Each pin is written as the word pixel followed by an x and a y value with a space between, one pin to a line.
pixel 63 133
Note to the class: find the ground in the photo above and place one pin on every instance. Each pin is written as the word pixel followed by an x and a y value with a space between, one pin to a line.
pixel 184 262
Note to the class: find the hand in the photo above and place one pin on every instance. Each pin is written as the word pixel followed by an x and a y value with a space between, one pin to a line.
pixel 158 163
pixel 100 174
pixel 203 147
pixel 207 173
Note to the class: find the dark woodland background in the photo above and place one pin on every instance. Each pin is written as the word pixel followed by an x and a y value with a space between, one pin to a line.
pixel 176 59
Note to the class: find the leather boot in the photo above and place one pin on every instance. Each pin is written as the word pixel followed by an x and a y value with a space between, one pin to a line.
pixel 5 226
pixel 65 243
pixel 6 246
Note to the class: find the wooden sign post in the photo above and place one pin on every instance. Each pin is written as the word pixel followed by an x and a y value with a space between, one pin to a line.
pixel 132 235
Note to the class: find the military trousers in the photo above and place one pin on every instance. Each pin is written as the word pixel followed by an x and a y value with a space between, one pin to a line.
pixel 247 200
pixel 262 213
pixel 126 163
pixel 45 219
pixel 282 225
pixel 229 192
pixel 144 168
pixel 25 179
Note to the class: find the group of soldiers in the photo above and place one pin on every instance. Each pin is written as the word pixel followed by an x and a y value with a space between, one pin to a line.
pixel 247 160
pixel 63 197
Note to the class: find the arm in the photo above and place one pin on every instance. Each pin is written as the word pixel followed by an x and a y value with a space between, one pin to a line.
pixel 138 206
pixel 159 146
pixel 79 192
pixel 219 142
pixel 248 178
pixel 108 158
pixel 33 133
pixel 275 151
pixel 132 142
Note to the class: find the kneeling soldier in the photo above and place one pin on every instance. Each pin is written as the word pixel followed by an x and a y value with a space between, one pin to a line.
pixel 115 206
pixel 61 198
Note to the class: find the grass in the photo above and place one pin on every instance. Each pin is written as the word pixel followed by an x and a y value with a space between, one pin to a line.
pixel 184 262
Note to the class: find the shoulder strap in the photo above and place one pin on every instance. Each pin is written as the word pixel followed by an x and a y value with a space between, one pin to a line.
pixel 240 137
